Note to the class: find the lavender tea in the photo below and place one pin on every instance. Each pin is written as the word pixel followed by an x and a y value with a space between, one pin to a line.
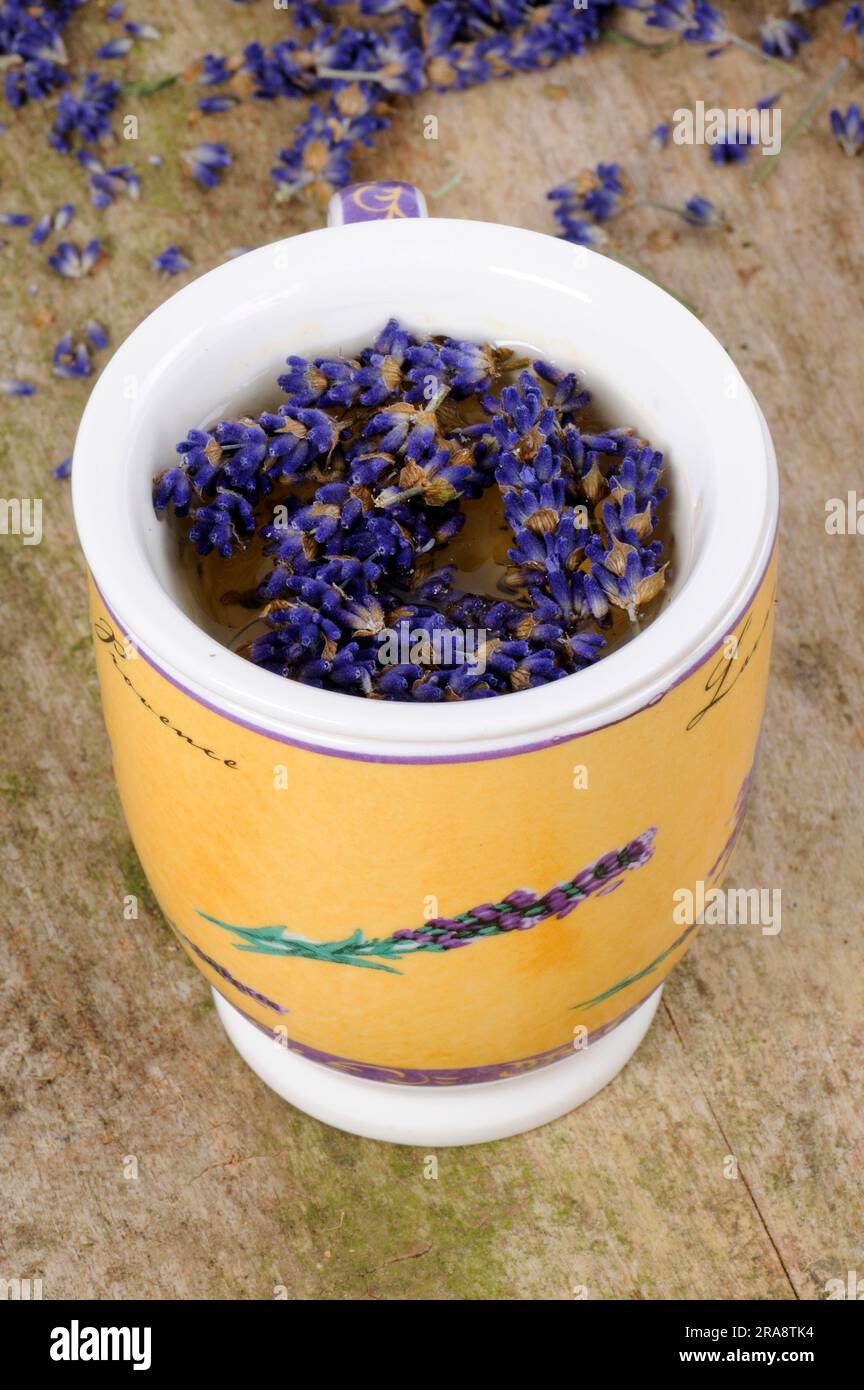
pixel 428 520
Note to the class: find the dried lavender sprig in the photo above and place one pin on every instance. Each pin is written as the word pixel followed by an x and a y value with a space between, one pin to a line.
pixel 551 544
pixel 698 22
pixel 85 116
pixel 32 49
pixel 769 163
pixel 324 145
pixel 584 204
pixel 355 559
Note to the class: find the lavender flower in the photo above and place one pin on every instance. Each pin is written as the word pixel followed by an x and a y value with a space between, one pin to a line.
pixel 107 184
pixel 453 46
pixel 701 212
pixel 732 148
pixel 206 161
pixel 142 30
pixel 97 334
pixel 14 219
pixel 212 106
pixel 69 359
pixel 781 38
pixel 31 45
pixel 214 70
pixel 384 469
pixel 171 261
pixel 708 26
pixel 221 524
pixel 42 229
pixel 115 48
pixel 599 193
pixel 320 157
pixel 669 14
pixel 62 469
pixel 72 262
pixel 86 116
pixel 853 23
pixel 848 129
pixel 695 22
pixel 14 386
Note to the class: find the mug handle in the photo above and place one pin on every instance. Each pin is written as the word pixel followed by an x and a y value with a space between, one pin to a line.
pixel 380 201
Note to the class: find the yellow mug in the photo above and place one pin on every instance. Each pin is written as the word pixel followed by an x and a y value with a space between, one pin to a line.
pixel 322 857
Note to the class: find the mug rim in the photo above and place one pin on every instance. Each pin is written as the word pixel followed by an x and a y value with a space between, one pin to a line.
pixel 691 626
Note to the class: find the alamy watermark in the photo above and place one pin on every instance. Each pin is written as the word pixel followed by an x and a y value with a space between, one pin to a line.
pixel 728 907
pixel 844 516
pixel 21 516
pixel 77 1343
pixel 20 1290
pixel 404 646
pixel 711 125
pixel 849 1288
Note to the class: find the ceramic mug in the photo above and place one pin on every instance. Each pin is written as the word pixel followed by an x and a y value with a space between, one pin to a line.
pixel 291 834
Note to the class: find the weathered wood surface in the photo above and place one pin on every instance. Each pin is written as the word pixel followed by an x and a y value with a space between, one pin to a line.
pixel 110 1044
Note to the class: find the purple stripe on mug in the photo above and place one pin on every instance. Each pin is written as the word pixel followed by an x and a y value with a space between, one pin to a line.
pixel 443 1076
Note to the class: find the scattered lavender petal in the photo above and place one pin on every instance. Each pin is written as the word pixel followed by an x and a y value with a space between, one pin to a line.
pixel 116 48
pixel 97 334
pixel 171 261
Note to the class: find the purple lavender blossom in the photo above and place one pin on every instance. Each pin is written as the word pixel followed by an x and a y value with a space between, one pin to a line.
pixel 142 30
pixel 31 42
pixel 781 38
pixel 115 48
pixel 171 261
pixel 853 23
pixel 107 184
pixel 701 212
pixel 70 359
pixel 214 70
pixel 86 116
pixel 387 465
pixel 848 129
pixel 212 106
pixel 695 22
pixel 72 262
pixel 206 161
pixel 42 229
pixel 97 334
pixel 732 148
pixel 14 386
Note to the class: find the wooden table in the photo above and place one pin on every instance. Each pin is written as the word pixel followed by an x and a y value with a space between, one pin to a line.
pixel 726 1161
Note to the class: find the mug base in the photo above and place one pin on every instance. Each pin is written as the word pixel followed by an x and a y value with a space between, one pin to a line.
pixel 438 1116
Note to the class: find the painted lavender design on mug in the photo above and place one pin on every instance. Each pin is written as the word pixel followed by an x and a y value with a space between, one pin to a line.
pixel 521 910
